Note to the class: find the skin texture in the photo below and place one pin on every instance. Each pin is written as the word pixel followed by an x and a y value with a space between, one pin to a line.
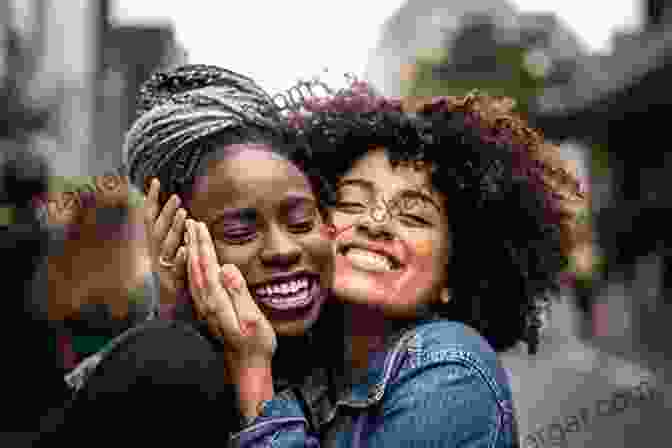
pixel 263 217
pixel 415 231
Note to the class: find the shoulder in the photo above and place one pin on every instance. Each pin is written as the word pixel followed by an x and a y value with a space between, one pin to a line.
pixel 453 349
pixel 447 383
pixel 450 340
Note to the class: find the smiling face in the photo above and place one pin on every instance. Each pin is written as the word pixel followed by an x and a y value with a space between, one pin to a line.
pixel 392 240
pixel 263 217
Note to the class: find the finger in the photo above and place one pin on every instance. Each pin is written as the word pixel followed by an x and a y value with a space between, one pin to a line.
pixel 152 205
pixel 208 258
pixel 164 222
pixel 194 280
pixel 180 268
pixel 217 297
pixel 193 268
pixel 248 312
pixel 175 235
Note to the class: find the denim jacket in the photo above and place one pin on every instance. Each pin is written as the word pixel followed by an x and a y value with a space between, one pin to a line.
pixel 441 385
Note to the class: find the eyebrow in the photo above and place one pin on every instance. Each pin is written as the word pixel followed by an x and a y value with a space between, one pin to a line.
pixel 231 214
pixel 370 186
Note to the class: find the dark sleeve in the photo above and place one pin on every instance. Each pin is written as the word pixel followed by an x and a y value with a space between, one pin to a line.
pixel 164 384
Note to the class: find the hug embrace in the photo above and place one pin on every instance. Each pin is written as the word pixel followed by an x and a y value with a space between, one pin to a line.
pixel 342 275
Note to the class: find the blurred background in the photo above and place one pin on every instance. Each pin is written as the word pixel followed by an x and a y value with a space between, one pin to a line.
pixel 593 76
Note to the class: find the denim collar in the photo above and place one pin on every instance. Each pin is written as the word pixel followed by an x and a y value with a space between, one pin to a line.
pixel 383 368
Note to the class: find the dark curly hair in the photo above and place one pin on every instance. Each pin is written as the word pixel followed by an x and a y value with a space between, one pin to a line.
pixel 508 218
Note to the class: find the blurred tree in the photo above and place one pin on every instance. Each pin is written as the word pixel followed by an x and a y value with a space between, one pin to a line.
pixel 17 117
pixel 477 60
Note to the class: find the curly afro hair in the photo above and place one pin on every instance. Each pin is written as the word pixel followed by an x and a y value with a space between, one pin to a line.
pixel 508 198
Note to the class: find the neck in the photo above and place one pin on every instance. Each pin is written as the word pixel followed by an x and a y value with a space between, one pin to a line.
pixel 368 333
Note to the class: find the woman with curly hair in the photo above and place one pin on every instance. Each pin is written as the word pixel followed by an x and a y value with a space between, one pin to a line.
pixel 448 230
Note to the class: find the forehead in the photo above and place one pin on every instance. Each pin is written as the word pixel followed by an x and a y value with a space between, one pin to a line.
pixel 376 168
pixel 248 172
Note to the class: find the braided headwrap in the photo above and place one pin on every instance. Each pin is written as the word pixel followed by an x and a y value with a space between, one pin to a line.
pixel 181 114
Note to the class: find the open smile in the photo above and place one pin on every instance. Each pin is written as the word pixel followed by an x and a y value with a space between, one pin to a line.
pixel 288 292
pixel 369 258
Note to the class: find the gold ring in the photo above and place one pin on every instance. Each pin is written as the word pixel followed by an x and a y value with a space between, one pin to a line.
pixel 165 264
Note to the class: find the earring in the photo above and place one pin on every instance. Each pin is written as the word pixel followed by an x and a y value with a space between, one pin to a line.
pixel 445 296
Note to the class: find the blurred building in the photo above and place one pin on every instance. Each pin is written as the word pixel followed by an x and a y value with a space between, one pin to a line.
pixel 614 106
pixel 421 27
pixel 86 69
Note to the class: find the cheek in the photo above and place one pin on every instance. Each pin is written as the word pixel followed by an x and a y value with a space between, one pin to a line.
pixel 422 248
pixel 341 220
pixel 242 256
pixel 317 246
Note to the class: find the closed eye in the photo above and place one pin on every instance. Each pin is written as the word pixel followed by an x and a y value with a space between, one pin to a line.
pixel 302 227
pixel 238 236
pixel 350 207
pixel 414 220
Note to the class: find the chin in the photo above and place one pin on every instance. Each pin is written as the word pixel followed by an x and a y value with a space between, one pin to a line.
pixel 295 323
pixel 292 328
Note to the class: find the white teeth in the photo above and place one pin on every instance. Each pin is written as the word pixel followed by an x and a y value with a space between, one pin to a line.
pixel 291 287
pixel 369 261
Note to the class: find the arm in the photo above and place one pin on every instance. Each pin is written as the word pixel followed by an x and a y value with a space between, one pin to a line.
pixel 443 405
pixel 280 424
pixel 254 385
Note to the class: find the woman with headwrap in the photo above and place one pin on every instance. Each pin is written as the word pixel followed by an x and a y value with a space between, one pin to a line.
pixel 212 142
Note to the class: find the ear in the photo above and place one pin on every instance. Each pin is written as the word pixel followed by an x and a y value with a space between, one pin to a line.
pixel 445 296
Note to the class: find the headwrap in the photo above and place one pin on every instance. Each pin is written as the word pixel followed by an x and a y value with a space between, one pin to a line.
pixel 178 109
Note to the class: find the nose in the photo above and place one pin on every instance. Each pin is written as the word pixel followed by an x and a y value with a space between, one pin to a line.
pixel 280 250
pixel 376 224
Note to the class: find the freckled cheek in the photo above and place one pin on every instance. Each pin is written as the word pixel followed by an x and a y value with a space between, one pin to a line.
pixel 341 220
pixel 419 276
pixel 423 248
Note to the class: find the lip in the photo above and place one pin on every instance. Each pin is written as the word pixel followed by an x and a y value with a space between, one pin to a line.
pixel 395 256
